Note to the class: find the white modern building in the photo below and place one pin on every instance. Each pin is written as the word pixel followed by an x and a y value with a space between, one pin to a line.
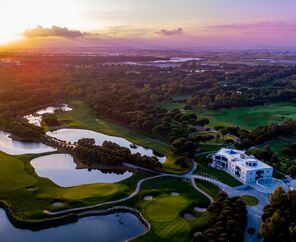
pixel 243 167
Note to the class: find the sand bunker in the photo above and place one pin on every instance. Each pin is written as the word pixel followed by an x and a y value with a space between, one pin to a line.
pixel 197 209
pixel 30 189
pixel 148 198
pixel 56 204
pixel 175 194
pixel 188 216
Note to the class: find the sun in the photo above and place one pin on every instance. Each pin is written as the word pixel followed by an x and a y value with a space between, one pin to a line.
pixel 16 16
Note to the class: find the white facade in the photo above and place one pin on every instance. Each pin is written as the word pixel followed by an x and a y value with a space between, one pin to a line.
pixel 246 169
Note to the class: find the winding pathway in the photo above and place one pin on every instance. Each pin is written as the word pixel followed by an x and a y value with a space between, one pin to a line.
pixel 137 190
pixel 254 212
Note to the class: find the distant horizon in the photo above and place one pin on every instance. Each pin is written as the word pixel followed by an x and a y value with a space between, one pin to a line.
pixel 157 24
pixel 139 49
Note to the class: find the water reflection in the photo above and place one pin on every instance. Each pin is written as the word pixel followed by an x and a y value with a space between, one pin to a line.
pixel 73 135
pixel 107 228
pixel 61 169
pixel 36 118
pixel 13 147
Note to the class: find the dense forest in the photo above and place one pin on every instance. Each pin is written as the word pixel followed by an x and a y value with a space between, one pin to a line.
pixel 130 94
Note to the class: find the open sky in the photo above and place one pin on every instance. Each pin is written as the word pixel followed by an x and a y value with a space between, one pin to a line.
pixel 150 23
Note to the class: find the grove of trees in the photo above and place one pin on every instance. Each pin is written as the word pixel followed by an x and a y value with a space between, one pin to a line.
pixel 279 218
pixel 228 220
pixel 111 154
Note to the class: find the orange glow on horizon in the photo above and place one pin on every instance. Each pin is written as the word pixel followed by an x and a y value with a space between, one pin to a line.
pixel 17 16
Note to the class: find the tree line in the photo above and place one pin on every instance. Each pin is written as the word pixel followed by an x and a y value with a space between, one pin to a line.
pixel 111 154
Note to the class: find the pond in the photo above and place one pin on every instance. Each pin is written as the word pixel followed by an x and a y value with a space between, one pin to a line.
pixel 13 147
pixel 178 60
pixel 61 169
pixel 73 135
pixel 36 118
pixel 115 227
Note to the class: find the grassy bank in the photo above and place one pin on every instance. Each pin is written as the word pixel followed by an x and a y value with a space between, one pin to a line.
pixel 208 187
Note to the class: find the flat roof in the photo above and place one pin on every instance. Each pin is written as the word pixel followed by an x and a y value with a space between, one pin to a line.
pixel 239 157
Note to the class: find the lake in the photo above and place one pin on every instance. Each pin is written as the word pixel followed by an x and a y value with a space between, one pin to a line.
pixel 61 169
pixel 73 135
pixel 36 118
pixel 13 147
pixel 115 227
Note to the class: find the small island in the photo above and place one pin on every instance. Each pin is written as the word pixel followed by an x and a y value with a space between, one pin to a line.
pixel 111 154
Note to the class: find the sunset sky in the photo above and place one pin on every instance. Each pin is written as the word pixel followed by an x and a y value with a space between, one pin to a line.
pixel 153 23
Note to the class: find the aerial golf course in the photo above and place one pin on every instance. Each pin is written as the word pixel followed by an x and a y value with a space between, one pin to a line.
pixel 27 195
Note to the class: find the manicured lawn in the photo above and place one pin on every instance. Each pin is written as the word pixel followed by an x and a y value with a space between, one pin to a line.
pixel 250 200
pixel 12 174
pixel 245 117
pixel 165 211
pixel 165 208
pixel 92 190
pixel 208 187
pixel 81 117
pixel 204 170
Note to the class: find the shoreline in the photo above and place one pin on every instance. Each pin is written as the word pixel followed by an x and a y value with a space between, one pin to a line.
pixel 53 222
pixel 17 138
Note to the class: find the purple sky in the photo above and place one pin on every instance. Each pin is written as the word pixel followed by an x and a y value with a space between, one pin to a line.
pixel 153 23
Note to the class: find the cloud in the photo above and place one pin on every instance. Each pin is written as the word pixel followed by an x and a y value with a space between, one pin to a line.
pixel 123 31
pixel 54 31
pixel 173 32
pixel 262 25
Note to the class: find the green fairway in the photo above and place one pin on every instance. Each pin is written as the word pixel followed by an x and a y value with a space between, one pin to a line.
pixel 21 188
pixel 165 210
pixel 250 200
pixel 81 117
pixel 280 144
pixel 245 117
pixel 163 214
pixel 12 174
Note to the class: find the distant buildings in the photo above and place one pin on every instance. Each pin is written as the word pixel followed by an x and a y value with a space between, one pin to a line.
pixel 246 169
